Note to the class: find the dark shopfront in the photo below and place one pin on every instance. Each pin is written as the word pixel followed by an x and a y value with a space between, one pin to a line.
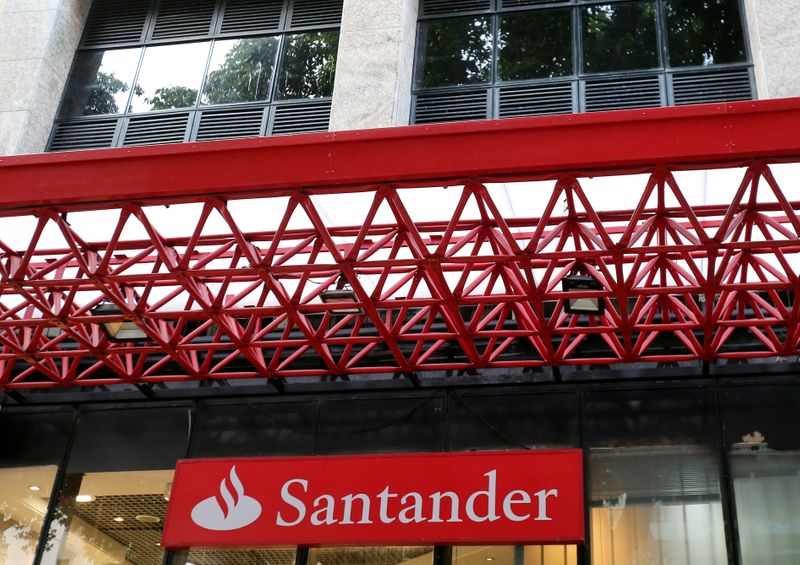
pixel 683 472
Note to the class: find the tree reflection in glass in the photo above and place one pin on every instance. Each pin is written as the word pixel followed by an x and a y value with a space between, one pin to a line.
pixel 456 51
pixel 535 45
pixel 100 82
pixel 704 33
pixel 241 70
pixel 309 65
pixel 619 37
pixel 170 77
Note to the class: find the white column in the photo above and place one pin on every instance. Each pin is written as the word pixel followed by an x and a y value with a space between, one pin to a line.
pixel 774 31
pixel 37 44
pixel 374 64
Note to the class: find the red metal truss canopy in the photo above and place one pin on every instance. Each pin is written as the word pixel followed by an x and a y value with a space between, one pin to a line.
pixel 455 240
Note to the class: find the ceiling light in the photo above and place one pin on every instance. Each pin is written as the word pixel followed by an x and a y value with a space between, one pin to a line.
pixel 84 498
pixel 147 519
pixel 575 282
pixel 119 331
pixel 490 559
pixel 35 488
pixel 119 519
pixel 343 294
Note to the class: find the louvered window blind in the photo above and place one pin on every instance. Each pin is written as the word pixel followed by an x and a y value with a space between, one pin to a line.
pixel 170 71
pixel 480 59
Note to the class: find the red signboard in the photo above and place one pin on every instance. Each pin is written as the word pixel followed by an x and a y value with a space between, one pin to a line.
pixel 444 498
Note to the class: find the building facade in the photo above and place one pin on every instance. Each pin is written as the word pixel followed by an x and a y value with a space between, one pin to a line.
pixel 214 243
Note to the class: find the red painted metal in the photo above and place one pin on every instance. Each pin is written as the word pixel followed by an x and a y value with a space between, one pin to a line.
pixel 470 287
pixel 500 497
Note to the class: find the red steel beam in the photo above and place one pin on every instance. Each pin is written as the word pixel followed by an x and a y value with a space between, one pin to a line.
pixel 623 140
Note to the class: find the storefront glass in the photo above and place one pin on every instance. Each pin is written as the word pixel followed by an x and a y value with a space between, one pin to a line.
pixel 763 449
pixel 516 555
pixel 32 445
pixel 113 501
pixel 654 478
pixel 371 556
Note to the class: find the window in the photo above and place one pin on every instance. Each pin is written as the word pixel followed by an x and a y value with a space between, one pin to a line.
pixel 507 58
pixel 168 71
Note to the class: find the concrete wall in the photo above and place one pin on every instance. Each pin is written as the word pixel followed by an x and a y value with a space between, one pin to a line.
pixel 774 29
pixel 374 65
pixel 37 44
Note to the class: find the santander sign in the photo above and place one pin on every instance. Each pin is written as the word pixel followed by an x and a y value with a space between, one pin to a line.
pixel 483 497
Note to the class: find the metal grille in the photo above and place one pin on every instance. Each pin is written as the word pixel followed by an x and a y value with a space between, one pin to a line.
pixel 535 100
pixel 183 18
pixel 622 93
pixel 368 555
pixel 451 106
pixel 436 7
pixel 522 3
pixel 83 135
pixel 703 87
pixel 228 124
pixel 242 557
pixel 316 12
pixel 150 130
pixel 140 538
pixel 242 16
pixel 302 118
pixel 111 22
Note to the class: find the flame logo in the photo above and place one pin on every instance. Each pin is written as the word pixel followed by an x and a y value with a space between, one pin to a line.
pixel 227 510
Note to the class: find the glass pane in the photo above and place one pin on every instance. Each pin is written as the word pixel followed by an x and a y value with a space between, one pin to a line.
pixel 255 429
pixel 761 426
pixel 512 421
pixel 309 65
pixel 371 556
pixel 276 556
pixel 535 45
pixel 704 33
pixel 516 555
pixel 240 70
pixel 170 77
pixel 101 82
pixel 112 504
pixel 110 518
pixel 456 51
pixel 619 37
pixel 654 478
pixel 380 425
pixel 33 445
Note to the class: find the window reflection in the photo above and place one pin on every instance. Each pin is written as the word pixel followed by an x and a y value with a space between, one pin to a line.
pixel 110 517
pixel 371 556
pixel 535 45
pixel 101 82
pixel 456 51
pixel 170 77
pixel 516 555
pixel 309 64
pixel 704 33
pixel 240 70
pixel 24 495
pixel 619 37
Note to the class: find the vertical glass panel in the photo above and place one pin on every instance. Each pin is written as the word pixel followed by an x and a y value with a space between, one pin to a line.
pixel 170 77
pixel 255 429
pixel 535 45
pixel 516 555
pixel 456 51
pixel 308 65
pixel 32 446
pixel 704 33
pixel 111 507
pixel 371 556
pixel 619 37
pixel 240 70
pixel 763 448
pixel 100 82
pixel 375 425
pixel 512 421
pixel 272 556
pixel 654 475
